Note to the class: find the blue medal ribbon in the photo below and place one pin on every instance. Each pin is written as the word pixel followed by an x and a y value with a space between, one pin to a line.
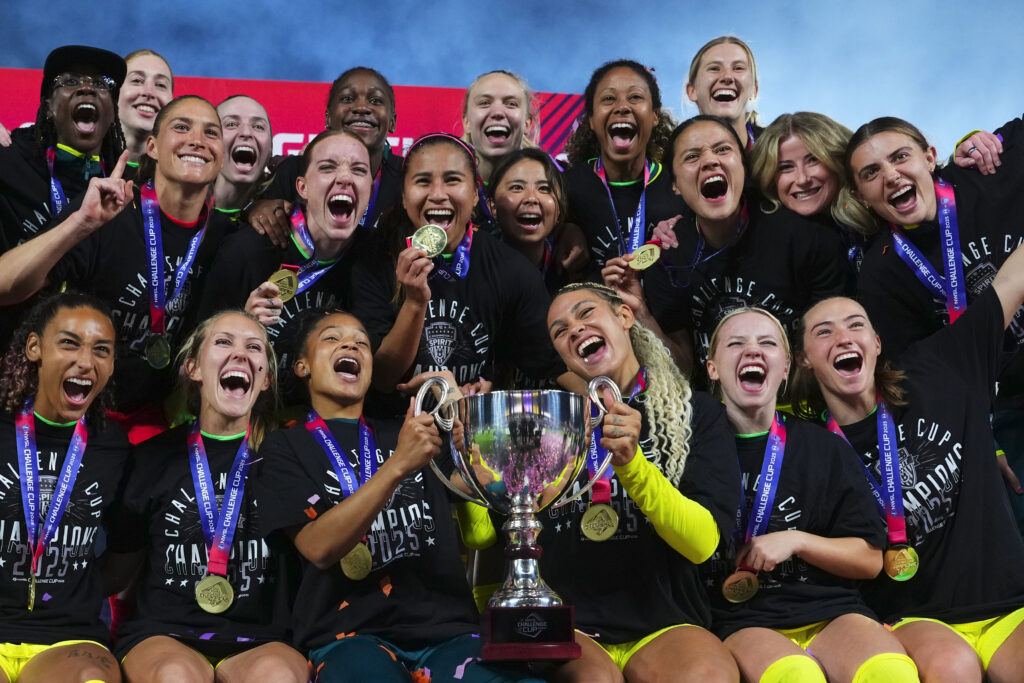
pixel 639 228
pixel 367 451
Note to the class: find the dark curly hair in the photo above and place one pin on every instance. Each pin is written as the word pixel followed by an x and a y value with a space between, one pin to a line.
pixel 19 378
pixel 582 145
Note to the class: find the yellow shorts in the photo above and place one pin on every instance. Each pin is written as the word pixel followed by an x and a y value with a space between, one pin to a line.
pixel 14 656
pixel 803 635
pixel 985 636
pixel 621 652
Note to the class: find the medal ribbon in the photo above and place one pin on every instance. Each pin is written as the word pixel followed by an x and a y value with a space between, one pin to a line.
pixel 698 255
pixel 601 492
pixel 460 262
pixel 368 214
pixel 312 270
pixel 639 227
pixel 57 198
pixel 750 135
pixel 301 233
pixel 218 531
pixel 367 451
pixel 155 254
pixel 952 289
pixel 25 437
pixel 889 493
pixel 771 467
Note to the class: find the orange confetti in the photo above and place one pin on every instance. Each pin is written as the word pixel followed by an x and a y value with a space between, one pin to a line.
pixel 421 676
pixel 343 605
pixel 390 653
pixel 385 585
pixel 344 635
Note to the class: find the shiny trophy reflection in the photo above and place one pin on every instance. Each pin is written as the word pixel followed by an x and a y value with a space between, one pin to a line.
pixel 517 453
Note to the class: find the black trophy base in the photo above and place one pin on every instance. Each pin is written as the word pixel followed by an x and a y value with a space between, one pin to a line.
pixel 529 634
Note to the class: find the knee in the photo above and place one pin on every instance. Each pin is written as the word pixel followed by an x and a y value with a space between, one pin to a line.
pixel 952 665
pixel 888 667
pixel 704 670
pixel 178 670
pixel 273 668
pixel 793 669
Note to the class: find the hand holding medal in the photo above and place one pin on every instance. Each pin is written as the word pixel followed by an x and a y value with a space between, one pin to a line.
pixel 265 302
pixel 412 268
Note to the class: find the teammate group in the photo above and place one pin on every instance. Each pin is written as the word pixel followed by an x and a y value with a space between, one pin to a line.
pixel 206 410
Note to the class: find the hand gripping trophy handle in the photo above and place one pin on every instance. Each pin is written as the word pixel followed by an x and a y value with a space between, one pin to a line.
pixel 444 417
pixel 594 390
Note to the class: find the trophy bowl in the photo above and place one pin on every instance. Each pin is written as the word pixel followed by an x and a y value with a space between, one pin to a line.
pixel 517 453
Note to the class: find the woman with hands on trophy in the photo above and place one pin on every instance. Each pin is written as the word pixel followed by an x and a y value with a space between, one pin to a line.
pixel 353 491
pixel 806 530
pixel 661 512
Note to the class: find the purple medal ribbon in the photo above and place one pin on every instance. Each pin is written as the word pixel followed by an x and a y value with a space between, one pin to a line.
pixel 368 214
pixel 952 289
pixel 889 493
pixel 155 253
pixel 58 200
pixel 601 492
pixel 25 437
pixel 460 262
pixel 639 227
pixel 771 466
pixel 367 450
pixel 220 530
pixel 312 270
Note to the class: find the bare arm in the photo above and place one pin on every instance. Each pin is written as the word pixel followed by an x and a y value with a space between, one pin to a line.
pixel 1008 283
pixel 849 557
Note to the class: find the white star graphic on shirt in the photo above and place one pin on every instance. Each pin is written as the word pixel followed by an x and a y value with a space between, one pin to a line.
pixel 84 563
pixel 803 578
pixel 558 527
pixel 75 565
pixel 260 579
pixel 184 582
pixel 709 582
pixel 2 563
pixel 169 582
pixel 430 540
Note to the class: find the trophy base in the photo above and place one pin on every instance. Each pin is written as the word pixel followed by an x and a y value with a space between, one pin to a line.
pixel 529 634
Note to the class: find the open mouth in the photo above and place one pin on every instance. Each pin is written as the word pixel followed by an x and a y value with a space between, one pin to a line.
pixel 347 368
pixel 849 363
pixel 497 133
pixel 529 220
pixel 587 348
pixel 244 157
pixel 76 390
pixel 806 194
pixel 622 134
pixel 714 187
pixel 361 124
pixel 904 198
pixel 85 116
pixel 724 95
pixel 440 217
pixel 235 383
pixel 341 206
pixel 752 377
pixel 146 110
pixel 193 159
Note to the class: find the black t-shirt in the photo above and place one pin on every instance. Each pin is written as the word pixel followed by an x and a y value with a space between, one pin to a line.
pixel 498 312
pixel 590 209
pixel 416 594
pixel 389 194
pixel 958 517
pixel 247 259
pixel 781 262
pixel 822 491
pixel 634 583
pixel 160 515
pixel 69 588
pixel 990 215
pixel 112 263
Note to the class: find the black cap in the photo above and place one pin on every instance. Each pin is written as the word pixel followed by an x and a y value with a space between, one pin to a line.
pixel 69 58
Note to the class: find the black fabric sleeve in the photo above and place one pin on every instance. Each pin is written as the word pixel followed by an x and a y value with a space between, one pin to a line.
pixel 846 494
pixel 525 337
pixel 373 287
pixel 288 496
pixel 712 474
pixel 243 262
pixel 282 183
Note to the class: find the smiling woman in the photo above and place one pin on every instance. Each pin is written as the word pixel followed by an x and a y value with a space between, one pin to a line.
pixel 148 87
pixel 101 249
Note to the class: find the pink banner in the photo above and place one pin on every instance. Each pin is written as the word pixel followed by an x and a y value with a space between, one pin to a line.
pixel 296 108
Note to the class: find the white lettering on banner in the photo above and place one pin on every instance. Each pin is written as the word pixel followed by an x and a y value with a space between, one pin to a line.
pixel 294 143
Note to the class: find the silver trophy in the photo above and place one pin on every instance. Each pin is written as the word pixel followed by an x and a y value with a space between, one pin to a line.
pixel 519 452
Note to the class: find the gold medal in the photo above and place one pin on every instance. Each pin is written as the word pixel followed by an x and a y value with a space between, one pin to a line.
pixel 357 564
pixel 287 283
pixel 599 522
pixel 31 591
pixel 901 562
pixel 741 586
pixel 214 594
pixel 645 257
pixel 431 239
pixel 158 351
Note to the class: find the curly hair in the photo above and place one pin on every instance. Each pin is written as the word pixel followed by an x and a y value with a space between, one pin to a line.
pixel 805 392
pixel 19 378
pixel 668 408
pixel 263 412
pixel 582 145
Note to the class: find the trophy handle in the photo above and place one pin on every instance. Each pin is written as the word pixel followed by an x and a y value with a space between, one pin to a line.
pixel 446 423
pixel 595 395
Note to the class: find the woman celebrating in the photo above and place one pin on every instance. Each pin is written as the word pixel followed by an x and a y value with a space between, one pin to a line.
pixel 248 142
pixel 672 496
pixel 723 82
pixel 362 102
pixel 116 254
pixel 527 199
pixel 213 594
pixel 733 254
pixel 955 562
pixel 148 87
pixel 354 491
pixel 496 118
pixel 784 579
pixel 617 190
pixel 334 185
pixel 471 303
pixel 63 466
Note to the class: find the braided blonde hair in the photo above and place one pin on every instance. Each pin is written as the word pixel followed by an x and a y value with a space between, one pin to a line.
pixel 668 408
